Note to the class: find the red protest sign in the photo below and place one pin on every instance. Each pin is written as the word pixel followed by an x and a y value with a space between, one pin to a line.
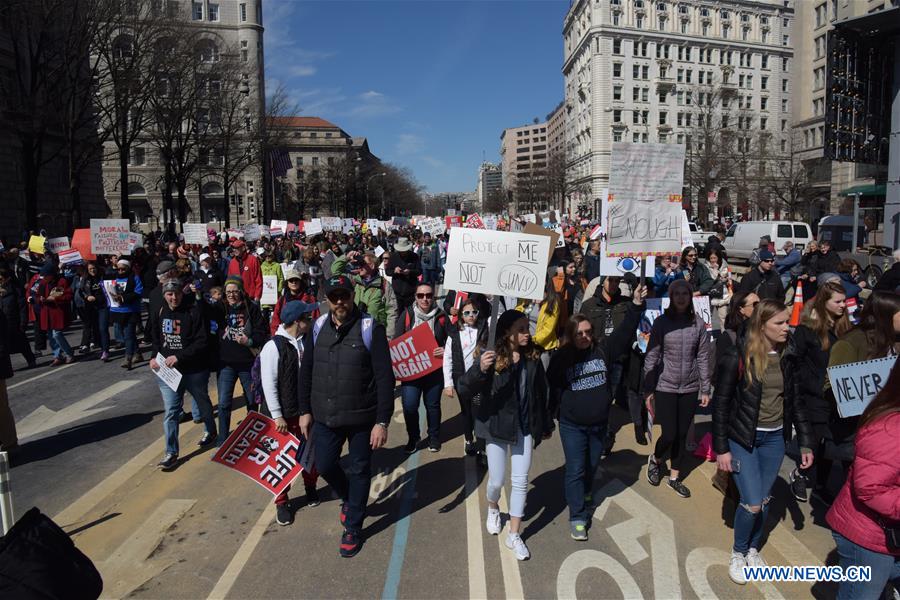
pixel 474 221
pixel 81 241
pixel 453 221
pixel 458 302
pixel 412 354
pixel 257 450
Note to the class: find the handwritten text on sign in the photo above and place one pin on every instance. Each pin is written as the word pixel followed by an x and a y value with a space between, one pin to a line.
pixel 856 384
pixel 111 236
pixel 269 458
pixel 412 354
pixel 497 262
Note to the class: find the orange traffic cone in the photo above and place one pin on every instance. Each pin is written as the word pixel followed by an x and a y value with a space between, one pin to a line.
pixel 798 305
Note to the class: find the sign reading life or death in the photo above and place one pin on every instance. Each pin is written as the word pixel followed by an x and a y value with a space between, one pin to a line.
pixel 856 384
pixel 497 262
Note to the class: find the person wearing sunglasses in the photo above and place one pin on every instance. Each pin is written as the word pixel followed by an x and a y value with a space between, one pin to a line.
pixel 691 269
pixel 764 280
pixel 459 356
pixel 423 311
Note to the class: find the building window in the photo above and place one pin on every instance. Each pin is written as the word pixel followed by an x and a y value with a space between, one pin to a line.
pixel 330 161
pixel 784 85
pixel 765 37
pixel 245 51
pixel 765 61
pixel 617 116
pixel 763 123
pixel 635 93
pixel 705 29
pixel 617 136
pixel 785 40
pixel 298 163
pixel 639 22
pixel 213 12
pixel 617 69
pixel 313 135
pixel 784 145
pixel 764 82
pixel 645 72
pixel 136 157
pixel 645 94
pixel 197 11
pixel 784 105
pixel 684 27
pixel 635 71
pixel 248 121
pixel 243 11
pixel 617 92
pixel 784 64
pixel 663 117
pixel 616 18
pixel 662 24
pixel 763 103
pixel 617 46
pixel 726 31
pixel 315 161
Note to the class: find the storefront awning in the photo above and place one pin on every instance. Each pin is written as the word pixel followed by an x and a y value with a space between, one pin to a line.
pixel 869 189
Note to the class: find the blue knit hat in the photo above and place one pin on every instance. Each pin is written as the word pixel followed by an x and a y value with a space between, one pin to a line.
pixel 293 310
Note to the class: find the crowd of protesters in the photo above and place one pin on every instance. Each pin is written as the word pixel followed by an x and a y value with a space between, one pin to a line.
pixel 562 361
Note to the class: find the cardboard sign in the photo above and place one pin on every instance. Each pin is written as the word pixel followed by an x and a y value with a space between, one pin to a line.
pixel 453 221
pixel 270 290
pixel 271 459
pixel 686 238
pixel 856 384
pixel 312 227
pixel 111 236
pixel 58 244
pixel 36 244
pixel 532 229
pixel 490 222
pixel 276 232
pixel 474 221
pixel 617 266
pixel 195 233
pixel 411 354
pixel 374 225
pixel 497 262
pixel 251 232
pixel 70 257
pixel 278 224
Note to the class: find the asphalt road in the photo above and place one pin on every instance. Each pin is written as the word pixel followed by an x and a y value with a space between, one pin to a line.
pixel 91 435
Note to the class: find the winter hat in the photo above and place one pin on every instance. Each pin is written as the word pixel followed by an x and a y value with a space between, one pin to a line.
pixel 295 309
pixel 171 286
pixel 48 269
pixel 234 280
pixel 204 256
pixel 506 320
pixel 765 255
pixel 164 267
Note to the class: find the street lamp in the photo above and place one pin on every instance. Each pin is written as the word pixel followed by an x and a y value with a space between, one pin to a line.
pixel 368 181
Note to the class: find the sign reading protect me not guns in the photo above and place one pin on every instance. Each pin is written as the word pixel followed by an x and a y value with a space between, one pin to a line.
pixel 412 354
pixel 497 262
pixel 856 384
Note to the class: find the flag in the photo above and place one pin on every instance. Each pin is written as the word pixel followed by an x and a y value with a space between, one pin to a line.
pixel 281 162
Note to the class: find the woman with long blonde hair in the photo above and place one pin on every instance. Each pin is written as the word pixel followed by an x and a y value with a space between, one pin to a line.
pixel 824 321
pixel 755 408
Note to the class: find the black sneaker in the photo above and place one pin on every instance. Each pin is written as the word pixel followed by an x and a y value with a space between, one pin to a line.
pixel 168 462
pixel 411 446
pixel 207 439
pixel 823 495
pixel 653 475
pixel 679 488
pixel 640 436
pixel 312 496
pixel 471 449
pixel 283 514
pixel 434 446
pixel 608 443
pixel 798 486
pixel 350 544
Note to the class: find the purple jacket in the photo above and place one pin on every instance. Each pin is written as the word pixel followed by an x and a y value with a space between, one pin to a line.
pixel 677 357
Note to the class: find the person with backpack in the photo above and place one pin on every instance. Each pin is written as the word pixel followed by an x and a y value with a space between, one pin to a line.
pixel 279 380
pixel 346 396
pixel 428 387
pixel 242 332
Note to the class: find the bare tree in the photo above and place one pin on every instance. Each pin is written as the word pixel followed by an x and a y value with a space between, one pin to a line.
pixel 788 180
pixel 495 202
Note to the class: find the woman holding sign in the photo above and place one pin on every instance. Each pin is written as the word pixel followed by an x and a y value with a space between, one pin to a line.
pixel 508 388
pixel 755 407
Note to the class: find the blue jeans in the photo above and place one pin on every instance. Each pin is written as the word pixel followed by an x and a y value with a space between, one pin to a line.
pixel 759 468
pixel 58 343
pixel 885 567
pixel 125 332
pixel 428 387
pixel 582 447
pixel 225 381
pixel 196 384
pixel 351 484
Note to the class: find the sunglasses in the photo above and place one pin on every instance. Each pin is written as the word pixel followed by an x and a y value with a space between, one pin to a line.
pixel 470 313
pixel 752 304
pixel 692 256
pixel 423 296
pixel 771 260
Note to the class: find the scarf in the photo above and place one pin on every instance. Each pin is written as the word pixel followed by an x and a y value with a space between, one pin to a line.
pixel 423 317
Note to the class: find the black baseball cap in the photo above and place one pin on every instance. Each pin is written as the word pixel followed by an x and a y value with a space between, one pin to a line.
pixel 337 283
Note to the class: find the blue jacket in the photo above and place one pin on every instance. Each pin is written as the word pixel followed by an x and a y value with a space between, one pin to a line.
pixel 850 287
pixel 784 264
pixel 661 282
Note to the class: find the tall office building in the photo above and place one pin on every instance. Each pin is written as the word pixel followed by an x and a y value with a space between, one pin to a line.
pixel 644 71
pixel 523 160
pixel 490 183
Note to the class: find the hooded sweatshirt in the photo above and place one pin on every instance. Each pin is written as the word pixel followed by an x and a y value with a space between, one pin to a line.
pixel 180 332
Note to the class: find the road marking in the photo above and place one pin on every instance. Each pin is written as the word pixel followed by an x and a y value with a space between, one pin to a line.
pixel 36 377
pixel 696 567
pixel 128 567
pixel 512 577
pixel 243 554
pixel 577 562
pixel 477 576
pixel 43 419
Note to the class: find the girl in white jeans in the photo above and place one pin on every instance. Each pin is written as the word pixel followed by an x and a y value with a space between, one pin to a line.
pixel 508 389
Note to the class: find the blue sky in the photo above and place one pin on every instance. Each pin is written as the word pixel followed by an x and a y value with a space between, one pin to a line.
pixel 431 84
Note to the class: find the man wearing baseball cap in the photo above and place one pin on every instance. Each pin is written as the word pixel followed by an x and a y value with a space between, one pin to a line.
pixel 246 266
pixel 763 280
pixel 346 395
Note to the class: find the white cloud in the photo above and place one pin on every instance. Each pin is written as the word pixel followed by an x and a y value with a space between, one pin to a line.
pixel 372 104
pixel 371 95
pixel 301 70
pixel 409 143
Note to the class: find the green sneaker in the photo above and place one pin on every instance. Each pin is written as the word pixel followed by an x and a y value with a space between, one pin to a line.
pixel 588 500
pixel 578 531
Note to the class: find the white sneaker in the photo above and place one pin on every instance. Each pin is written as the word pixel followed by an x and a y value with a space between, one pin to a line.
pixel 736 567
pixel 493 523
pixel 515 543
pixel 754 559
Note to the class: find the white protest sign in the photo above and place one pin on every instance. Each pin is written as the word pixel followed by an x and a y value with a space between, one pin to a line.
pixel 378 251
pixel 701 308
pixel 264 231
pixel 55 245
pixel 251 232
pixel 686 238
pixel 312 227
pixel 373 225
pixel 530 218
pixel 560 241
pixel 170 376
pixel 270 290
pixel 614 266
pixel 195 233
pixel 435 226
pixel 644 215
pixel 286 269
pixel 111 236
pixel 276 232
pixel 332 224
pixel 70 256
pixel 490 222
pixel 497 262
pixel 278 224
pixel 235 233
pixel 515 226
pixel 856 384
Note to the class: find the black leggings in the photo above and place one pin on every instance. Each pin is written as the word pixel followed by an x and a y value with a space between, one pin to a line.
pixel 674 413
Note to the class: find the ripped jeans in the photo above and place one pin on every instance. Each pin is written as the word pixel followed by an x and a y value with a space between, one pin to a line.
pixel 759 468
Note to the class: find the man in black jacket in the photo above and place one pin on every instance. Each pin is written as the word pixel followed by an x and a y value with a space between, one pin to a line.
pixel 763 280
pixel 404 269
pixel 346 395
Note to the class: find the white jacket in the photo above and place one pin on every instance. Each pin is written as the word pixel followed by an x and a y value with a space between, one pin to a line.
pixel 268 369
pixel 468 337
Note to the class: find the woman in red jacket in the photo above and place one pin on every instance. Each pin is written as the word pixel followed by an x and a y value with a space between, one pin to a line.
pixel 867 509
pixel 54 296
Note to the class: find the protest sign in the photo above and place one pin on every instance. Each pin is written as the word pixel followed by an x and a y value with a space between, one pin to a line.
pixel 378 251
pixel 70 257
pixel 81 241
pixel 453 221
pixel 251 232
pixel 490 222
pixel 516 226
pixel 234 233
pixel 286 270
pixel 36 244
pixel 474 221
pixel 276 232
pixel 195 233
pixel 332 223
pixel 686 238
pixel 112 293
pixel 278 224
pixel 271 459
pixel 111 236
pixel 596 231
pixel 557 228
pixel 616 266
pixel 270 290
pixel 373 224
pixel 58 244
pixel 497 262
pixel 644 215
pixel 532 229
pixel 435 226
pixel 264 231
pixel 701 308
pixel 412 353
pixel 856 384
pixel 312 227
pixel 169 375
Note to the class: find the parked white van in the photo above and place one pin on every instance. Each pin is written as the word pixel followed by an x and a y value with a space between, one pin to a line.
pixel 743 238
